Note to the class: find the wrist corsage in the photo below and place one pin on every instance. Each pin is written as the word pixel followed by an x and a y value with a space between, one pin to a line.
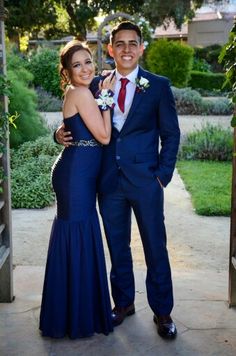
pixel 104 99
pixel 142 84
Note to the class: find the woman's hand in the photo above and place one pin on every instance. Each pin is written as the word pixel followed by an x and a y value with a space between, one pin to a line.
pixel 106 72
pixel 108 82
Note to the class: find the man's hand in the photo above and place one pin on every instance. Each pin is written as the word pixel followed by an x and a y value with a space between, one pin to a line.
pixel 63 137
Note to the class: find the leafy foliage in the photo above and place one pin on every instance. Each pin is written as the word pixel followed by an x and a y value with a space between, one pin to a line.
pixel 23 101
pixel 82 13
pixel 28 16
pixel 31 166
pixel 44 65
pixel 162 12
pixel 5 119
pixel 47 102
pixel 212 143
pixel 210 55
pixel 201 65
pixel 208 80
pixel 61 16
pixel 190 102
pixel 74 17
pixel 227 57
pixel 171 59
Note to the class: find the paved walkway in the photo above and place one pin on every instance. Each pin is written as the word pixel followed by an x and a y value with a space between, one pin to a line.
pixel 198 248
pixel 187 122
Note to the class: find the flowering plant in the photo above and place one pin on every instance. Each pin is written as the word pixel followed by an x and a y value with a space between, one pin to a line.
pixel 104 99
pixel 142 84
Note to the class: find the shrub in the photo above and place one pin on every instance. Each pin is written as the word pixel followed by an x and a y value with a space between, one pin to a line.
pixel 208 81
pixel 219 106
pixel 31 187
pixel 201 65
pixel 23 101
pixel 210 143
pixel 171 59
pixel 210 54
pixel 190 102
pixel 187 101
pixel 30 175
pixel 42 146
pixel 212 93
pixel 44 66
pixel 16 61
pixel 47 102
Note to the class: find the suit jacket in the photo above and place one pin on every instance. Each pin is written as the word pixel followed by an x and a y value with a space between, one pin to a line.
pixel 147 145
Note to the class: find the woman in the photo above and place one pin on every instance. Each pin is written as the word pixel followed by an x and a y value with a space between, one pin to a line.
pixel 75 298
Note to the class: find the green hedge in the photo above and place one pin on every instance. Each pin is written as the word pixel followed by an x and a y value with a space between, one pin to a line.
pixel 171 59
pixel 31 173
pixel 44 65
pixel 207 80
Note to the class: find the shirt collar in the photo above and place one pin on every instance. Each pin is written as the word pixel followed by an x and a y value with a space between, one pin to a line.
pixel 131 76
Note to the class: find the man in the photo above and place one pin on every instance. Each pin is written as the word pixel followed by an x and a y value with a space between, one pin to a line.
pixel 134 171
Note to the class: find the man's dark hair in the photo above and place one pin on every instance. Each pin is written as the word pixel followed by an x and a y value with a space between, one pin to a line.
pixel 125 25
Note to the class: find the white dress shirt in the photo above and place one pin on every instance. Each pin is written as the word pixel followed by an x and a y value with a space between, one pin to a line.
pixel 119 117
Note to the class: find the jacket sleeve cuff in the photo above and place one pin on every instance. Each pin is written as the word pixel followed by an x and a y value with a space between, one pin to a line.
pixel 54 137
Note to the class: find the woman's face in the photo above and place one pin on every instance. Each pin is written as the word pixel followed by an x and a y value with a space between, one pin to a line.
pixel 82 68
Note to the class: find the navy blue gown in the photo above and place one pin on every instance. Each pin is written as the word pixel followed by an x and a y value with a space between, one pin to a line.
pixel 75 299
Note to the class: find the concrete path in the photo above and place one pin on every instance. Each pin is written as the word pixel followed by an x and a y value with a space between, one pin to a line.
pixel 187 123
pixel 198 248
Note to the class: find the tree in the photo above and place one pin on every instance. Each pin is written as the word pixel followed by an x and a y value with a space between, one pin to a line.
pixel 28 16
pixel 61 17
pixel 33 16
pixel 160 12
pixel 82 13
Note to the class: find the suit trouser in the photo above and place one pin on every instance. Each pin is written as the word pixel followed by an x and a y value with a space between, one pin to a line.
pixel 147 204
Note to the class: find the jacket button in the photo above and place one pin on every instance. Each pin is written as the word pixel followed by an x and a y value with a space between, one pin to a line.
pixel 117 157
pixel 119 139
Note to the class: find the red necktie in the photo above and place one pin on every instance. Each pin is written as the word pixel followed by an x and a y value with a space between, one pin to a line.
pixel 122 94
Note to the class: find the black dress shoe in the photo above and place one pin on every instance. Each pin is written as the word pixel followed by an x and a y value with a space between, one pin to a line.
pixel 120 313
pixel 165 326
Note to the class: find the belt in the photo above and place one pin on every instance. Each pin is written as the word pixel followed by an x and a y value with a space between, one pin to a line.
pixel 86 143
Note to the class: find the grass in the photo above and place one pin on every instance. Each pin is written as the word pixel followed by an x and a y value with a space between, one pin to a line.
pixel 209 184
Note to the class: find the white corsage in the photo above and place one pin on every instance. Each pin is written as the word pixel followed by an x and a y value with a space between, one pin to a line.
pixel 142 84
pixel 104 99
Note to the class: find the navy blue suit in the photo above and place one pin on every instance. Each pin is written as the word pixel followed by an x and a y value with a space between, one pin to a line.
pixel 144 149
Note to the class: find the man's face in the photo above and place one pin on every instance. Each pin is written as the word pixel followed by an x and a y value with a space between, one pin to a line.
pixel 126 51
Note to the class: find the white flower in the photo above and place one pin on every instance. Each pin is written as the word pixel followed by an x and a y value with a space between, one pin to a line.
pixel 142 84
pixel 104 99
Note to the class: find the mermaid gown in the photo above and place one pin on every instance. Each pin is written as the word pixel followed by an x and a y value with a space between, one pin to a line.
pixel 75 299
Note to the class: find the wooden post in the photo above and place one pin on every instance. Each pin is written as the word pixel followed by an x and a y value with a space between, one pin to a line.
pixel 6 266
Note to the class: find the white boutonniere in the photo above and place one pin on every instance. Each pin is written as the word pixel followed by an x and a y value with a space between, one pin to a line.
pixel 142 84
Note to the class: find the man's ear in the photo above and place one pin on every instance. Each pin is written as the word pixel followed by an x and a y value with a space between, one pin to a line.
pixel 141 49
pixel 110 50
